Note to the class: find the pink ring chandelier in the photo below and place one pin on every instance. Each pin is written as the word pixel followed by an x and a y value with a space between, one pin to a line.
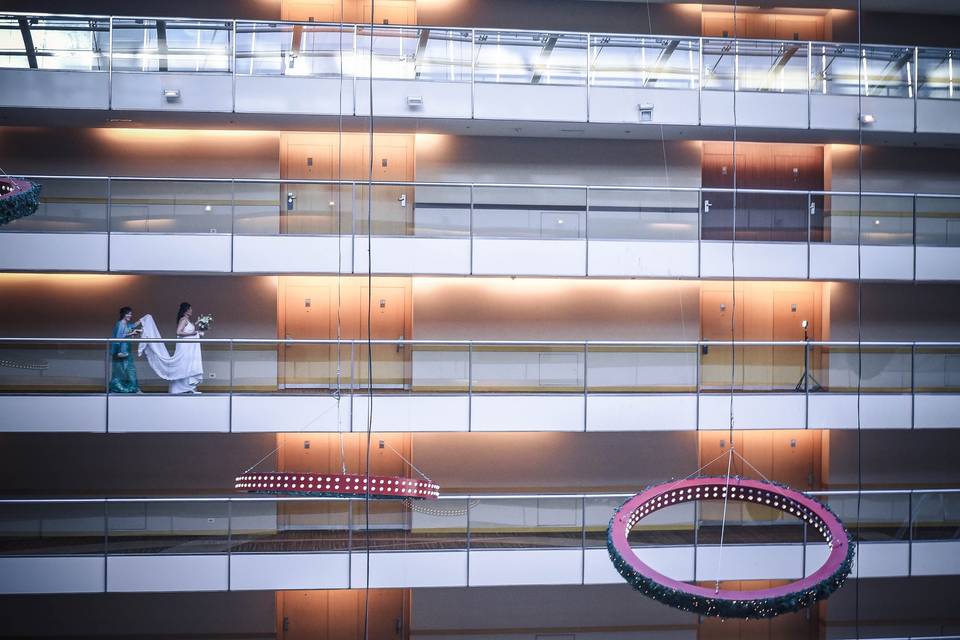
pixel 336 485
pixel 725 603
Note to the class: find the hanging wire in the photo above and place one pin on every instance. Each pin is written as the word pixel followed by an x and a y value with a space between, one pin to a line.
pixel 860 84
pixel 366 498
pixel 733 303
pixel 343 458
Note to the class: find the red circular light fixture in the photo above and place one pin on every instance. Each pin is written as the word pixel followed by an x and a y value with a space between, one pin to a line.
pixel 726 603
pixel 349 485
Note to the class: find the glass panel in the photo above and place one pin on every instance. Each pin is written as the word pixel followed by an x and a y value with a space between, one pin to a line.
pixel 772 67
pixel 761 217
pixel 75 44
pixel 936 75
pixel 531 58
pixel 887 220
pixel 755 368
pixel 835 69
pixel 622 214
pixel 834 219
pixel 885 369
pixel 834 368
pixel 294 208
pixel 30 529
pixel 155 206
pixel 719 64
pixel 936 516
pixel 289 526
pixel 938 222
pixel 171 45
pixel 66 206
pixel 746 523
pixel 642 369
pixel 299 366
pixel 284 49
pixel 167 527
pixel 410 525
pixel 517 368
pixel 439 368
pixel 216 361
pixel 529 212
pixel 654 62
pixel 436 55
pixel 414 210
pixel 888 71
pixel 883 517
pixel 937 369
pixel 529 523
pixel 50 367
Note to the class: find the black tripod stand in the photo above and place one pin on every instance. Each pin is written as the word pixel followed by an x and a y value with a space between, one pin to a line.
pixel 807 381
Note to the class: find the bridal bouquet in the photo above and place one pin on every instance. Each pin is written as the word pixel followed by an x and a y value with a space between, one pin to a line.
pixel 204 322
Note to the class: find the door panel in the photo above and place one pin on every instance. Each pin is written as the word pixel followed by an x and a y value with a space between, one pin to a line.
pixel 389 323
pixel 307 316
pixel 392 206
pixel 308 208
pixel 717 313
pixel 338 614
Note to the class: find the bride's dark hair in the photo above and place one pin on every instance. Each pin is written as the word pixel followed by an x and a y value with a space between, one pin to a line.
pixel 125 310
pixel 183 310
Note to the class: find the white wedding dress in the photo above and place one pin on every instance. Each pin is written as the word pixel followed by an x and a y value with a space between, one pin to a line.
pixel 184 369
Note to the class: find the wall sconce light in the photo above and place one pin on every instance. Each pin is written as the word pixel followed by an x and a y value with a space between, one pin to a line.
pixel 868 118
pixel 172 95
pixel 646 111
pixel 415 102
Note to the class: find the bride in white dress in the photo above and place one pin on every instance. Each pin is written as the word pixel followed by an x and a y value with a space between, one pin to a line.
pixel 184 369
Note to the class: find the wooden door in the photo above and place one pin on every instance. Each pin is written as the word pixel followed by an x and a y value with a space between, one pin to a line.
pixel 388 323
pixel 717 313
pixel 307 309
pixel 310 10
pixel 338 614
pixel 389 12
pixel 310 208
pixel 787 27
pixel 392 205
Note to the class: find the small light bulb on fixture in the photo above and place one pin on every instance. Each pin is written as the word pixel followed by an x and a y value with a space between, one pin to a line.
pixel 332 203
pixel 876 222
pixel 208 208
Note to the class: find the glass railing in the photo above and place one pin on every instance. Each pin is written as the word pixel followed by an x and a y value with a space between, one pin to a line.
pixel 661 62
pixel 238 525
pixel 67 43
pixel 71 204
pixel 175 46
pixel 81 365
pixel 467 55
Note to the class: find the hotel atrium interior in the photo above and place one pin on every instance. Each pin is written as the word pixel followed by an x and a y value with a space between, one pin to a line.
pixel 480 319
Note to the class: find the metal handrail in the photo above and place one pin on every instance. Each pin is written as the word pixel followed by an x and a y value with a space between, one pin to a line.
pixel 496 185
pixel 231 26
pixel 446 496
pixel 466 343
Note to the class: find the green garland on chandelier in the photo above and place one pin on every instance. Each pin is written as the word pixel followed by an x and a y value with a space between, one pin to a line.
pixel 18 199
pixel 724 608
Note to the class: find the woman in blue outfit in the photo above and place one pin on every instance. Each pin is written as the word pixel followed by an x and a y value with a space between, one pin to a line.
pixel 123 378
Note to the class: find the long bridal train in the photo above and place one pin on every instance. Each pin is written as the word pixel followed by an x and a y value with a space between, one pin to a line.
pixel 184 369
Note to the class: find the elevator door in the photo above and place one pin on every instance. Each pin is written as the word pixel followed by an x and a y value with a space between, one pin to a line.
pixel 338 614
pixel 392 205
pixel 717 314
pixel 388 323
pixel 310 208
pixel 307 317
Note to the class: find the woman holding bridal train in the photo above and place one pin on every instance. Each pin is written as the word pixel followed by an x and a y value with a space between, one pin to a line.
pixel 184 369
